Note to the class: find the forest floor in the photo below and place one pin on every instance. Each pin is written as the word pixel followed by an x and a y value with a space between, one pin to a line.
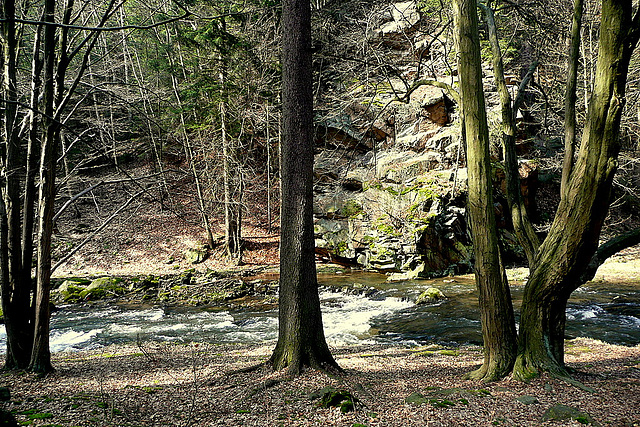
pixel 161 384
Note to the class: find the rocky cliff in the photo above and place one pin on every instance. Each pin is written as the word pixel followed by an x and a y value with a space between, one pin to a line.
pixel 390 179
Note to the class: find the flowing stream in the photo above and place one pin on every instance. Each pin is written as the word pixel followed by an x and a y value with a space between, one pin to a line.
pixel 604 311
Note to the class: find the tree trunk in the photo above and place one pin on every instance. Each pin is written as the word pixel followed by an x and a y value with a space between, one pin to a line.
pixel 30 189
pixel 53 83
pixel 301 341
pixel 227 179
pixel 574 234
pixel 498 326
pixel 519 216
pixel 16 283
pixel 570 96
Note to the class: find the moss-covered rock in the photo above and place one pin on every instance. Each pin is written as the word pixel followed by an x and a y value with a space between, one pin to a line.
pixel 416 398
pixel 70 290
pixel 561 412
pixel 430 296
pixel 445 398
pixel 408 275
pixel 332 397
pixel 527 400
pixel 103 287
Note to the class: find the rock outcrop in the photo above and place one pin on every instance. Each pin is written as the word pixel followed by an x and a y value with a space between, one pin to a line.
pixel 390 189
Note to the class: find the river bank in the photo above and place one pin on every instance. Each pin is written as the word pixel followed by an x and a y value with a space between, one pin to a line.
pixel 162 384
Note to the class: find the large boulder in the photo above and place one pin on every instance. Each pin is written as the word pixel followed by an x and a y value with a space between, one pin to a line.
pixel 70 290
pixel 404 19
pixel 407 228
pixel 103 287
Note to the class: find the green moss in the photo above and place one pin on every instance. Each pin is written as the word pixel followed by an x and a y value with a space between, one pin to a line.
pixel 340 247
pixel 70 291
pixel 331 397
pixel 416 399
pixel 33 414
pixel 369 240
pixel 103 287
pixel 151 389
pixel 414 208
pixel 385 228
pixel 105 405
pixel 444 403
pixel 351 208
pixel 583 419
pixel 375 185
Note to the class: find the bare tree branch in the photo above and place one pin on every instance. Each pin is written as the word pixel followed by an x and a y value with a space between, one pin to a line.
pixel 608 249
pixel 97 230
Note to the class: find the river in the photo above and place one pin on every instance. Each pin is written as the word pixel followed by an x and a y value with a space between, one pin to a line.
pixel 605 311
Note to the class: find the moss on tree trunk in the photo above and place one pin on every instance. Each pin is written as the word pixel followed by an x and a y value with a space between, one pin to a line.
pixel 498 325
pixel 573 238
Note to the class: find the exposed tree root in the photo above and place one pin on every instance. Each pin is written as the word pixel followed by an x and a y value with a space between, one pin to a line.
pixel 524 370
pixel 487 373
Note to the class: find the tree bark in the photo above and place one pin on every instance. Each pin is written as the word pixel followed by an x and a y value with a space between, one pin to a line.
pixel 30 189
pixel 53 81
pixel 498 325
pixel 584 204
pixel 301 341
pixel 16 283
pixel 522 226
pixel 570 95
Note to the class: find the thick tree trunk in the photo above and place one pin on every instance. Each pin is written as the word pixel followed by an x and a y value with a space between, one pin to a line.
pixel 574 234
pixel 541 335
pixel 498 325
pixel 301 340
